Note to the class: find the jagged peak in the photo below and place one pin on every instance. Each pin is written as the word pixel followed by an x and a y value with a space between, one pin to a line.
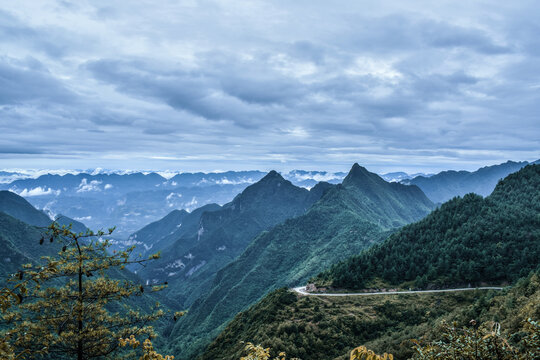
pixel 270 180
pixel 272 175
pixel 357 168
pixel 357 173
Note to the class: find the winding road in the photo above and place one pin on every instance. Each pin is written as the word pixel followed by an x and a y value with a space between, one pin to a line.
pixel 302 290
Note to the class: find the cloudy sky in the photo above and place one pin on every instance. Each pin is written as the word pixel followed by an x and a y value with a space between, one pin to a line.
pixel 227 84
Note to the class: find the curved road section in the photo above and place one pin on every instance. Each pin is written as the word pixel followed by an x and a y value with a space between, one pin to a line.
pixel 302 290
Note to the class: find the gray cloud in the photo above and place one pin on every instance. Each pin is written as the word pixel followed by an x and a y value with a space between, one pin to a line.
pixel 26 80
pixel 302 84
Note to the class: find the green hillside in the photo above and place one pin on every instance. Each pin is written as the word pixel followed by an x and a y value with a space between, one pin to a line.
pixel 19 235
pixel 348 218
pixel 468 240
pixel 190 263
pixel 17 207
pixel 326 328
pixel 20 244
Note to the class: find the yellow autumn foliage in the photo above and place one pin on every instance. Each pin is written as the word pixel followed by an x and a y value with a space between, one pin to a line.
pixel 362 353
pixel 148 352
pixel 257 352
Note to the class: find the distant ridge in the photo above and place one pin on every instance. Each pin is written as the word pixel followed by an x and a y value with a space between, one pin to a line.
pixel 447 184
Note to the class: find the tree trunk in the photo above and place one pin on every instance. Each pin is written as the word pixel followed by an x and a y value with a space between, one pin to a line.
pixel 80 342
pixel 80 312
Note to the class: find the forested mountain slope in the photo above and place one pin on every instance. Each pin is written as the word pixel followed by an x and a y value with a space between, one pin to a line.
pixel 469 240
pixel 191 262
pixel 347 219
pixel 19 243
pixel 17 207
pixel 326 328
pixel 448 184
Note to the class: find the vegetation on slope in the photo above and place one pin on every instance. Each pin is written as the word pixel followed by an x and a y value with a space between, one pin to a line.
pixel 178 224
pixel 467 240
pixel 17 207
pixel 19 243
pixel 175 229
pixel 326 328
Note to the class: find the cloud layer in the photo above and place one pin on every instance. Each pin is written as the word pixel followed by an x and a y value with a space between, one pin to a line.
pixel 206 85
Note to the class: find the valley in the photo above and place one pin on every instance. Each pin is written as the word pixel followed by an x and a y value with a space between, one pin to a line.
pixel 225 262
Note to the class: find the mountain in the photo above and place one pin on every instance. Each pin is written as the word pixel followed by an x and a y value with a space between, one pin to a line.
pixel 160 234
pixel 469 240
pixel 448 184
pixel 133 200
pixel 221 178
pixel 128 202
pixel 152 236
pixel 7 177
pixel 191 262
pixel 17 207
pixel 19 243
pixel 348 218
pixel 83 182
pixel 21 227
pixel 309 179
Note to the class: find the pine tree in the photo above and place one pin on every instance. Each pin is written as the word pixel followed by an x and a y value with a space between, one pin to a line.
pixel 75 305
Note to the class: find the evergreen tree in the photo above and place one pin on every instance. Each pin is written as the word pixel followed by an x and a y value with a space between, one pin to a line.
pixel 71 306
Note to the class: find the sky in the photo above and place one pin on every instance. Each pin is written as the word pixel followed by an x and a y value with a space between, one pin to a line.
pixel 234 85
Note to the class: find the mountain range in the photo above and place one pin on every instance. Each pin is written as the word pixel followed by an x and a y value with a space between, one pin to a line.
pixel 348 218
pixel 467 241
pixel 131 201
pixel 22 227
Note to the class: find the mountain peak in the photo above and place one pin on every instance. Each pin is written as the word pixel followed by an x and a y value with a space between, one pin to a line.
pixel 356 174
pixel 274 175
pixel 357 167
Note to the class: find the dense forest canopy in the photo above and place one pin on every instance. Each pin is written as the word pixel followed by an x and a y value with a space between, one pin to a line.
pixel 469 240
pixel 313 327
